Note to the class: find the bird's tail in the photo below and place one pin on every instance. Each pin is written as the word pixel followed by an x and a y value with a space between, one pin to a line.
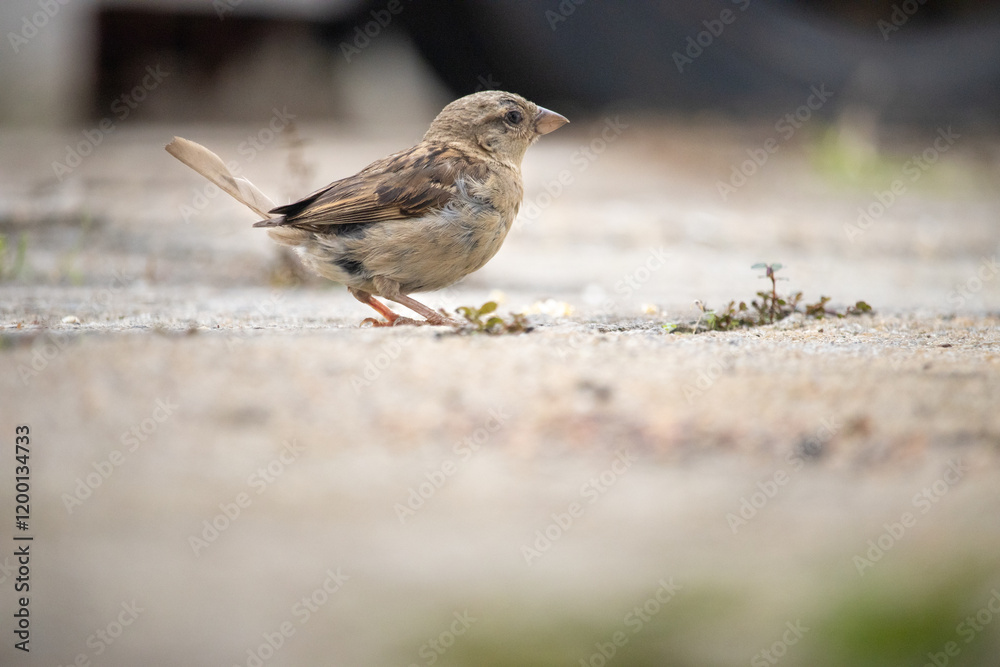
pixel 211 166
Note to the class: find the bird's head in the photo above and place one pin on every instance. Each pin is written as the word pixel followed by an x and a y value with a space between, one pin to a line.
pixel 499 123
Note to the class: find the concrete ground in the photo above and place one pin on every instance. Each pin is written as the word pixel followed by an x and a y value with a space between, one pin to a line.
pixel 226 469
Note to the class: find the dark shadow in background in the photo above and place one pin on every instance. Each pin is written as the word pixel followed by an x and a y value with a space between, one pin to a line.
pixel 904 60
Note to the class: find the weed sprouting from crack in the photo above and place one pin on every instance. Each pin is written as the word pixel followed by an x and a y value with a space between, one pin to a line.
pixel 484 320
pixel 768 308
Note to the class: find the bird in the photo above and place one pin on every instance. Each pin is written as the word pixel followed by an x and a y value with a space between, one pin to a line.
pixel 418 220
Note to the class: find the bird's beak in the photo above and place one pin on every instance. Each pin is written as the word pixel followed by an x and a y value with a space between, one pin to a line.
pixel 546 121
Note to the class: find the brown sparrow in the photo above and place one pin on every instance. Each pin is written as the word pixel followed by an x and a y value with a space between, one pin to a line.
pixel 418 220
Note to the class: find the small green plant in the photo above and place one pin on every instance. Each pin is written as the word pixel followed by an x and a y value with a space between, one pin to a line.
pixel 11 268
pixel 775 301
pixel 483 320
pixel 69 272
pixel 768 308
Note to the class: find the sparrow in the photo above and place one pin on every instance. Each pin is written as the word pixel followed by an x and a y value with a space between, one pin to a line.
pixel 415 221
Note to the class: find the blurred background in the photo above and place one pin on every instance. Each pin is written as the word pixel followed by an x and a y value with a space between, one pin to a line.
pixel 914 61
pixel 229 470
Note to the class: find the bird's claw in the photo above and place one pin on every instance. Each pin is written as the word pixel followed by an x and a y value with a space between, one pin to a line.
pixel 407 321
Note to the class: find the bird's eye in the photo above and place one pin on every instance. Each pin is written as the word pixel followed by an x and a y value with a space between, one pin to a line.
pixel 514 117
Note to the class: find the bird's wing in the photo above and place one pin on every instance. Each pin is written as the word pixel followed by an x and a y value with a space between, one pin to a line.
pixel 211 166
pixel 404 185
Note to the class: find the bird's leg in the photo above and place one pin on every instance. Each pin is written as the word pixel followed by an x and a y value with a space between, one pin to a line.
pixel 392 319
pixel 390 290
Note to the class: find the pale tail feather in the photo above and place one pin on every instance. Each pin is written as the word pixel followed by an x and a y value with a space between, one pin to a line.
pixel 211 166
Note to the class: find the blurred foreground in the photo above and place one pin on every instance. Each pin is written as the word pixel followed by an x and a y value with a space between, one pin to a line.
pixel 226 469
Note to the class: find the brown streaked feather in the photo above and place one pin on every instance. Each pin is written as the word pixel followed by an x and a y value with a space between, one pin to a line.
pixel 407 184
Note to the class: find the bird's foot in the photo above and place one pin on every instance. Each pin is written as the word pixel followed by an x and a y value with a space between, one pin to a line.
pixel 407 321
pixel 398 321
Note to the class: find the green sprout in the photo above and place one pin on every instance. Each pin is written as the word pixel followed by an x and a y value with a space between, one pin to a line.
pixel 768 308
pixel 17 265
pixel 492 324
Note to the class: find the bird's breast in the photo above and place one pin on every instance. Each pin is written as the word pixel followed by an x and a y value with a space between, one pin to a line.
pixel 441 248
